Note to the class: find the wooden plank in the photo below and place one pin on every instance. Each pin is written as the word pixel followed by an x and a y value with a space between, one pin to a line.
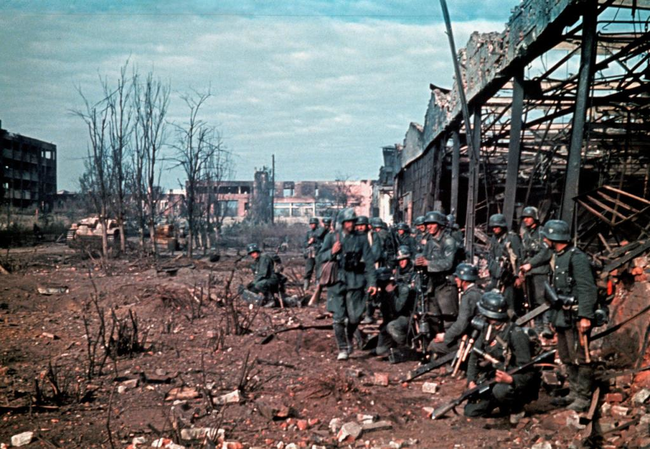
pixel 618 202
pixel 607 208
pixel 595 212
pixel 626 258
pixel 629 195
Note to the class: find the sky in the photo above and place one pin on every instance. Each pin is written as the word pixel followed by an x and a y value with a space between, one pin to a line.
pixel 322 84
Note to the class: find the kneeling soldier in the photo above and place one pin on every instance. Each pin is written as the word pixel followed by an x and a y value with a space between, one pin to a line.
pixel 465 276
pixel 506 345
pixel 265 279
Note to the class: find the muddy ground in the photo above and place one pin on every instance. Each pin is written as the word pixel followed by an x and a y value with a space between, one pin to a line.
pixel 196 342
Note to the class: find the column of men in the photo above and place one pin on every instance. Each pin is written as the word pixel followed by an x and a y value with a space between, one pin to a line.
pixel 427 296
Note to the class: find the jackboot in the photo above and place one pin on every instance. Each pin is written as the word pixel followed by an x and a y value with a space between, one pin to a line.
pixel 341 341
pixel 563 401
pixel 305 284
pixel 584 389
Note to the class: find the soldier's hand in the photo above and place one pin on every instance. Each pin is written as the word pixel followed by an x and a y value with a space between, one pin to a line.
pixel 471 385
pixel 439 338
pixel 310 241
pixel 503 378
pixel 420 261
pixel 336 247
pixel 372 291
pixel 390 287
pixel 584 325
pixel 525 268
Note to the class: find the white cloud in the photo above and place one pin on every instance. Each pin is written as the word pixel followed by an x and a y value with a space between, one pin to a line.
pixel 332 92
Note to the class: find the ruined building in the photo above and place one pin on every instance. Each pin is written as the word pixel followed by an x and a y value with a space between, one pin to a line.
pixel 28 171
pixel 559 104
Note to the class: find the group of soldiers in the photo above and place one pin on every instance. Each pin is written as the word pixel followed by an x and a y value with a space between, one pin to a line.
pixel 429 298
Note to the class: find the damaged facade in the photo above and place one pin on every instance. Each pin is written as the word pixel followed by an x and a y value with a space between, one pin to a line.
pixel 559 110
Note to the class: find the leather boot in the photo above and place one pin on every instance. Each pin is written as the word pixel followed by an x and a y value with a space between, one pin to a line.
pixel 572 371
pixel 305 285
pixel 341 341
pixel 584 389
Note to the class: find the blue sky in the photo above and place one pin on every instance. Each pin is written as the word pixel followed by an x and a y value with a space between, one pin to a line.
pixel 323 85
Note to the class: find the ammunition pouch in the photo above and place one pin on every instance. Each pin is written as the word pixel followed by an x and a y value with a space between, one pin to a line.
pixel 352 261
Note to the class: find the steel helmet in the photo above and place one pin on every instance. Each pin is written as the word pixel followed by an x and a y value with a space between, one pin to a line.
pixel 404 252
pixel 557 231
pixel 403 227
pixel 530 211
pixel 362 220
pixel 419 221
pixel 327 220
pixel 435 217
pixel 493 305
pixel 466 272
pixel 497 220
pixel 347 215
pixel 252 248
pixel 313 220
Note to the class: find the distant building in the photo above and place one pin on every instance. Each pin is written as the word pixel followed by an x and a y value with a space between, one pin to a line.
pixel 28 171
pixel 382 195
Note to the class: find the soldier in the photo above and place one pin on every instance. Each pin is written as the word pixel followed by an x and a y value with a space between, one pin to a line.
pixel 573 279
pixel 265 279
pixel 386 258
pixel 420 234
pixel 535 267
pixel 439 260
pixel 465 276
pixel 345 299
pixel 504 256
pixel 509 344
pixel 327 225
pixel 397 309
pixel 313 241
pixel 362 226
pixel 404 237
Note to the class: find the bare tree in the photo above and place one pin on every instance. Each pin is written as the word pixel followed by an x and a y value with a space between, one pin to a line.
pixel 218 169
pixel 151 100
pixel 196 143
pixel 97 179
pixel 118 101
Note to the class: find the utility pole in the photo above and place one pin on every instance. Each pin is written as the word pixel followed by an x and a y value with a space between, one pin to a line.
pixel 473 148
pixel 272 188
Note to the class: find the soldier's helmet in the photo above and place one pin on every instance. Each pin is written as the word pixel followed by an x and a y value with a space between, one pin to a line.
pixel 530 211
pixel 375 222
pixel 557 231
pixel 347 215
pixel 466 272
pixel 384 275
pixel 497 221
pixel 327 221
pixel 313 220
pixel 418 221
pixel 252 248
pixel 362 220
pixel 403 227
pixel 404 252
pixel 435 217
pixel 493 305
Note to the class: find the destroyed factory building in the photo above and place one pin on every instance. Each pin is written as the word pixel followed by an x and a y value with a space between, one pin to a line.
pixel 559 104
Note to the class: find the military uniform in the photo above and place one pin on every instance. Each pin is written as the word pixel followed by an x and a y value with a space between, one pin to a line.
pixel 386 246
pixel 345 299
pixel 469 298
pixel 440 253
pixel 502 272
pixel 316 237
pixel 406 240
pixel 511 345
pixel 397 311
pixel 536 253
pixel 265 279
pixel 572 277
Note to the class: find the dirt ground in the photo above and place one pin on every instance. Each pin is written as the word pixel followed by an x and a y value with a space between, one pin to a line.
pixel 187 353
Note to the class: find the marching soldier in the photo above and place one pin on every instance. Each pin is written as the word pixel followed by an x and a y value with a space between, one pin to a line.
pixel 465 276
pixel 313 241
pixel 327 225
pixel 506 343
pixel 439 260
pixel 397 310
pixel 265 280
pixel 504 257
pixel 573 279
pixel 345 299
pixel 535 267
pixel 362 227
pixel 386 258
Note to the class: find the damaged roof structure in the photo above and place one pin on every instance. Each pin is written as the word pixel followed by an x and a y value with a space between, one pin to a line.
pixel 559 105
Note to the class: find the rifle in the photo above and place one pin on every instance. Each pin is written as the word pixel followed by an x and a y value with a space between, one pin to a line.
pixel 422 328
pixel 486 386
pixel 437 363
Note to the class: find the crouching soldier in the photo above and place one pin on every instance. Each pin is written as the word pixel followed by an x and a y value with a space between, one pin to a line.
pixel 356 273
pixel 465 277
pixel 500 347
pixel 398 306
pixel 572 280
pixel 265 280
